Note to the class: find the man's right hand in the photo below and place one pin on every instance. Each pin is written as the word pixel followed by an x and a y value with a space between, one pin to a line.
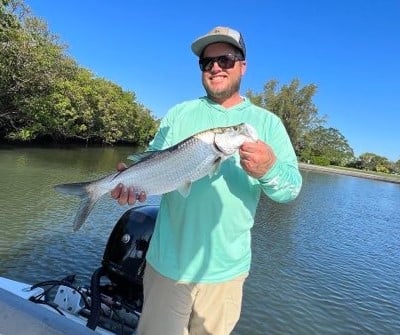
pixel 126 195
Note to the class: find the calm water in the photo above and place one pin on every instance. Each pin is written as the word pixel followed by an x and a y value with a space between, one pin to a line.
pixel 327 263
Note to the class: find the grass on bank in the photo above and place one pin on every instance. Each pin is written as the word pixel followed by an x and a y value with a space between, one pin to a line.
pixel 352 172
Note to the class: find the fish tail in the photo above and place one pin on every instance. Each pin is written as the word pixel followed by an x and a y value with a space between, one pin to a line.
pixel 89 198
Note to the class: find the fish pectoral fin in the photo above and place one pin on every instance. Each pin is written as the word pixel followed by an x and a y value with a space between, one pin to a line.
pixel 215 167
pixel 184 190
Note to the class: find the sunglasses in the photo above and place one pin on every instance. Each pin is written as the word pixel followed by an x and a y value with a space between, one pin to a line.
pixel 224 62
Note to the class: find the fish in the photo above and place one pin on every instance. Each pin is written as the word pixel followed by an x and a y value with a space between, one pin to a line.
pixel 163 171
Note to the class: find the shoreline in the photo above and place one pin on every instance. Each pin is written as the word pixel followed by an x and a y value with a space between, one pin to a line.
pixel 348 172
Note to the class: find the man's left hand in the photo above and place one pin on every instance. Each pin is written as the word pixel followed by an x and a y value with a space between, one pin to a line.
pixel 256 158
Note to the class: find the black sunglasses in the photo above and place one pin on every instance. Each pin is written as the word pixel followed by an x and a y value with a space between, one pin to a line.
pixel 224 62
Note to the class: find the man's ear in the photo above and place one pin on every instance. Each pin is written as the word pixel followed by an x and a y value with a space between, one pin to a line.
pixel 243 67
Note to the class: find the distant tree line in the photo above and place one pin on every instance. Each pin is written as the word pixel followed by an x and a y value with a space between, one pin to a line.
pixel 45 95
pixel 313 142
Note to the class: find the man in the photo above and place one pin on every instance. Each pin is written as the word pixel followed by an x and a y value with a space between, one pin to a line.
pixel 200 253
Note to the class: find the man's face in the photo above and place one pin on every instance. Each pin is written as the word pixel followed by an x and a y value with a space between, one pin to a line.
pixel 221 84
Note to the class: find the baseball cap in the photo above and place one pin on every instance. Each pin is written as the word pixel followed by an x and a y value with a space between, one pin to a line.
pixel 218 35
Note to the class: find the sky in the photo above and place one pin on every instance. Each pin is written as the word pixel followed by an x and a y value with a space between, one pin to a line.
pixel 350 49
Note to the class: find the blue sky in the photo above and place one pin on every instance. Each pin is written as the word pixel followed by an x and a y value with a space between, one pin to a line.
pixel 349 48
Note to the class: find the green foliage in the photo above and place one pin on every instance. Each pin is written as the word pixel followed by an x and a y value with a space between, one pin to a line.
pixel 293 104
pixel 328 143
pixel 320 160
pixel 7 20
pixel 396 167
pixel 312 142
pixel 372 162
pixel 44 93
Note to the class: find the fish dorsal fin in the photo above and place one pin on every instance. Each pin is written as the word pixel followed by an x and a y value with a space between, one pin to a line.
pixel 215 167
pixel 184 189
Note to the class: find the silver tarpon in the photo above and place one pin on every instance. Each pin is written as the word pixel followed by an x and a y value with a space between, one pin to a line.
pixel 159 172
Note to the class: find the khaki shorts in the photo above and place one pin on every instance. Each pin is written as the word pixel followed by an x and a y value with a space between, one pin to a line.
pixel 175 308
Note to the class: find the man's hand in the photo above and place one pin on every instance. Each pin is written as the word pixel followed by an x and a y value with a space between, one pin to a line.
pixel 126 195
pixel 256 158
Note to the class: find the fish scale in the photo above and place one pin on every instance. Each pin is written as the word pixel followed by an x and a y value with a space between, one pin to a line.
pixel 162 174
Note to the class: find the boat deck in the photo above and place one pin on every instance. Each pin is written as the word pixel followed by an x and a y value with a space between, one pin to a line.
pixel 20 316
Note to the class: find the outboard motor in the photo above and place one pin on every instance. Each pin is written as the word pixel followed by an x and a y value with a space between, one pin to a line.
pixel 124 257
pixel 123 263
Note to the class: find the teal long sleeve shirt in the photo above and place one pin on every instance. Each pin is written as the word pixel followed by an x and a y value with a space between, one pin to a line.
pixel 206 236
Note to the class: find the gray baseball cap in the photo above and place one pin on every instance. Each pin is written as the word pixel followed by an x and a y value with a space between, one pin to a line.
pixel 219 35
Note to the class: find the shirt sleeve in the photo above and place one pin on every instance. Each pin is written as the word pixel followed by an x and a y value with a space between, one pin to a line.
pixel 282 183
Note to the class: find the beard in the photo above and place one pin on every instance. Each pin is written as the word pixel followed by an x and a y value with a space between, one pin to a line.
pixel 222 93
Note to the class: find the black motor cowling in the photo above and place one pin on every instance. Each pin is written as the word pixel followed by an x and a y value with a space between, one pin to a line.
pixel 124 256
pixel 123 264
